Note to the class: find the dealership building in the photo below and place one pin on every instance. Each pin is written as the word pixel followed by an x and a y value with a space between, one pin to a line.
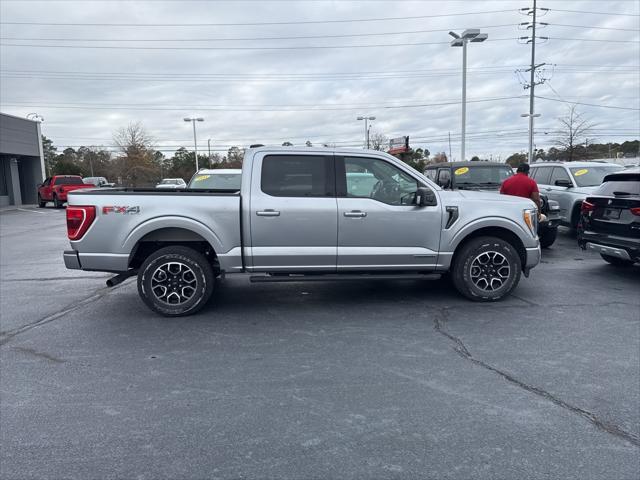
pixel 21 160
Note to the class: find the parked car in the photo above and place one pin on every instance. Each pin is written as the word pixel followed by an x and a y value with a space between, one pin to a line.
pixel 610 219
pixel 569 183
pixel 55 189
pixel 101 182
pixel 172 183
pixel 216 179
pixel 488 176
pixel 295 220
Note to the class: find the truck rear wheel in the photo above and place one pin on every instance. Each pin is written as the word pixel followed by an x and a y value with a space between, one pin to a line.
pixel 175 281
pixel 486 269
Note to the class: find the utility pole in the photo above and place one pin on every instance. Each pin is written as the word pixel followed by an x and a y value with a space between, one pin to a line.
pixel 209 148
pixel 532 71
pixel 450 157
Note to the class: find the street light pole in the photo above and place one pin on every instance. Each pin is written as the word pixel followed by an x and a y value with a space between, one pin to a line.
pixel 473 35
pixel 366 130
pixel 193 120
pixel 209 148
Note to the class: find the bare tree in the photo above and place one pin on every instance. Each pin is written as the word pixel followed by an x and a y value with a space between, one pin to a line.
pixel 573 132
pixel 378 141
pixel 136 163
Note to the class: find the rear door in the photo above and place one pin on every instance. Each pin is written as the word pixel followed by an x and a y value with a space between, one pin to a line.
pixel 380 227
pixel 293 212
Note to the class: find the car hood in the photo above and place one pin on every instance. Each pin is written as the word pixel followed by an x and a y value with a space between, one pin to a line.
pixel 484 196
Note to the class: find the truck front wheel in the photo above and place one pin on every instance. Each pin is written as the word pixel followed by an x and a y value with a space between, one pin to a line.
pixel 175 281
pixel 486 269
pixel 56 203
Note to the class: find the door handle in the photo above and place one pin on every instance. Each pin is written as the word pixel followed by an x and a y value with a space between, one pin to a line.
pixel 355 214
pixel 268 213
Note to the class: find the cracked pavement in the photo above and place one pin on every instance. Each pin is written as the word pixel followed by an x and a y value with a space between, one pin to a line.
pixel 385 379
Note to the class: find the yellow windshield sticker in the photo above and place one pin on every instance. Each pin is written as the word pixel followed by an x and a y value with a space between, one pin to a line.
pixel 582 171
pixel 199 178
pixel 461 171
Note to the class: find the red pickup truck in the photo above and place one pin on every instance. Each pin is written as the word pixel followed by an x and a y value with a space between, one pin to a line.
pixel 54 189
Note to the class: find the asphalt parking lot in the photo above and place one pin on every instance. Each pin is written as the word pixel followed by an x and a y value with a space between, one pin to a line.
pixel 375 379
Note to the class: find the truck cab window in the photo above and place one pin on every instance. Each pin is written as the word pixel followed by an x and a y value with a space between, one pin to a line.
pixel 297 176
pixel 379 180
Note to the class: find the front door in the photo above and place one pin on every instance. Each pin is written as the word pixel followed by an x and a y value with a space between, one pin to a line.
pixel 379 225
pixel 293 213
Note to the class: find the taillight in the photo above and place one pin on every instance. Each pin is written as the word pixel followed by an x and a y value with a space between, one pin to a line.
pixel 635 211
pixel 587 207
pixel 79 219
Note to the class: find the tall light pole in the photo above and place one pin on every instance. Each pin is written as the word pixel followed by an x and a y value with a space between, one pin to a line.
pixel 469 35
pixel 366 129
pixel 193 120
pixel 531 116
pixel 39 119
pixel 209 148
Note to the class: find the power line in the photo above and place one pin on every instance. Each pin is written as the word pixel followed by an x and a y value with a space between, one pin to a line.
pixel 230 24
pixel 591 26
pixel 589 104
pixel 594 40
pixel 228 39
pixel 595 13
pixel 292 47
pixel 296 109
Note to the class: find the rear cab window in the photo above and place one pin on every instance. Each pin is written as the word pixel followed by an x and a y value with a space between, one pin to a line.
pixel 68 181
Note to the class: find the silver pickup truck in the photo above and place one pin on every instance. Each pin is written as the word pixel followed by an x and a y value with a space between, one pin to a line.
pixel 303 214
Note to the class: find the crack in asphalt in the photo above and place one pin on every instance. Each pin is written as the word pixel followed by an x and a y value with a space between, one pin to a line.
pixel 44 355
pixel 6 336
pixel 462 350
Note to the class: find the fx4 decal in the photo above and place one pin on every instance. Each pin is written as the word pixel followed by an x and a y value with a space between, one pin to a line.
pixel 121 210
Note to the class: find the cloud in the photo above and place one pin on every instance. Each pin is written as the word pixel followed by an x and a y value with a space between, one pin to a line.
pixel 322 89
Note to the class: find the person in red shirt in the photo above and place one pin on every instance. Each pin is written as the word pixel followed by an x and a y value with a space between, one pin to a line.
pixel 520 185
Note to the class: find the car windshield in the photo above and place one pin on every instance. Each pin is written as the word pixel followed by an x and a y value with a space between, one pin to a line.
pixel 592 176
pixel 69 181
pixel 216 181
pixel 169 181
pixel 481 175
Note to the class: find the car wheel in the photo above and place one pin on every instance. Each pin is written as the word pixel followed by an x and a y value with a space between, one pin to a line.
pixel 175 281
pixel 618 262
pixel 56 203
pixel 41 203
pixel 548 237
pixel 486 269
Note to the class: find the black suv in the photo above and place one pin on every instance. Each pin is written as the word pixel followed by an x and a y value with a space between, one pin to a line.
pixel 610 219
pixel 488 176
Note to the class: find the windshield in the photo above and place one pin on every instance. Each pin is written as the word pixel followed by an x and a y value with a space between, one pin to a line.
pixel 481 175
pixel 216 181
pixel 169 181
pixel 592 176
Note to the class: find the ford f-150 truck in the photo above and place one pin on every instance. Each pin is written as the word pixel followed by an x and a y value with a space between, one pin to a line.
pixel 303 214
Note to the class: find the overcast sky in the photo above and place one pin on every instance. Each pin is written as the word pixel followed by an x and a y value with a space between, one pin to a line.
pixel 253 88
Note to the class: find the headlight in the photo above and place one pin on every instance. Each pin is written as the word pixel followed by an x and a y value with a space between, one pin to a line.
pixel 530 217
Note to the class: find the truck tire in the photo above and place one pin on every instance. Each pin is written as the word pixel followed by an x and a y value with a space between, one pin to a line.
pixel 618 262
pixel 56 203
pixel 175 281
pixel 548 237
pixel 41 203
pixel 486 269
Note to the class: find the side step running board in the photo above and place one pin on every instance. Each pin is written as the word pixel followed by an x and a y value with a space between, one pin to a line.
pixel 344 277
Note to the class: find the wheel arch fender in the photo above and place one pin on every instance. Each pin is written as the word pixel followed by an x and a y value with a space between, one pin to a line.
pixel 500 227
pixel 172 224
